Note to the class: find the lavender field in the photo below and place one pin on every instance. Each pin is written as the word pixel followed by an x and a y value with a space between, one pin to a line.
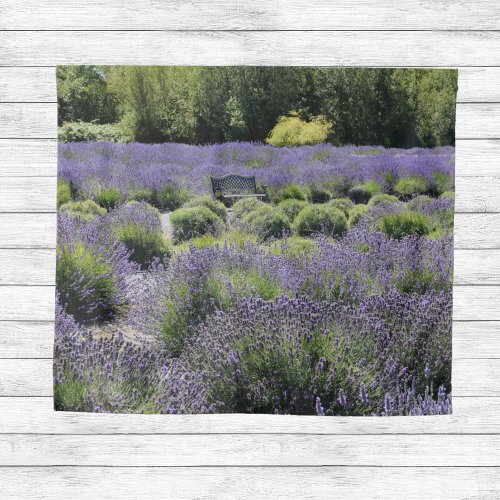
pixel 333 296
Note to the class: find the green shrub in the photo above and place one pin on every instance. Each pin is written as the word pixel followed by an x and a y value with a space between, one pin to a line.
pixel 215 206
pixel 96 286
pixel 108 198
pixel 418 203
pixel 267 222
pixel 358 194
pixel 84 210
pixel 190 223
pixel 441 183
pixel 372 187
pixel 356 213
pixel 406 223
pixel 410 186
pixel 320 219
pixel 318 194
pixel 292 207
pixel 142 194
pixel 343 204
pixel 292 131
pixel 448 194
pixel 291 191
pixel 382 199
pixel 338 187
pixel 63 192
pixel 246 205
pixel 170 197
pixel 84 131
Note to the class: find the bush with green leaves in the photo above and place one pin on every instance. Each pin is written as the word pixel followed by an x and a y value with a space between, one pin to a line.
pixel 358 194
pixel 267 222
pixel 63 192
pixel 290 191
pixel 318 194
pixel 188 223
pixel 356 213
pixel 343 204
pixel 84 210
pixel 246 205
pixel 450 195
pixel 108 198
pixel 141 194
pixel 170 197
pixel 441 183
pixel 411 186
pixel 292 207
pixel 323 219
pixel 405 223
pixel 293 131
pixel 215 206
pixel 372 187
pixel 91 132
pixel 382 199
pixel 419 203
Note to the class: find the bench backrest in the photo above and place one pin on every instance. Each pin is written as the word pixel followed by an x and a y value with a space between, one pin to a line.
pixel 232 183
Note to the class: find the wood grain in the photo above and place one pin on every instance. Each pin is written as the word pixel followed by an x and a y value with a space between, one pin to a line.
pixel 310 48
pixel 280 483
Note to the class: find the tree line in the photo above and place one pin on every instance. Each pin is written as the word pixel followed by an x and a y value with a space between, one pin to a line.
pixel 201 105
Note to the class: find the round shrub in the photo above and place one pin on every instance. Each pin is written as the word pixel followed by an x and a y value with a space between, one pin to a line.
pixel 292 207
pixel 215 206
pixel 292 191
pixel 190 223
pixel 410 186
pixel 108 198
pixel 419 202
pixel 246 205
pixel 63 192
pixel 138 226
pixel 267 222
pixel 84 210
pixel 358 194
pixel 142 194
pixel 343 204
pixel 318 194
pixel 441 183
pixel 372 187
pixel 170 197
pixel 397 226
pixel 356 213
pixel 320 219
pixel 383 200
pixel 450 195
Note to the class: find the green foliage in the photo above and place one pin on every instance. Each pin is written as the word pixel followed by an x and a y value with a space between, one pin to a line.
pixel 142 194
pixel 97 284
pixel 320 219
pixel 448 194
pixel 170 197
pixel 90 131
pixel 84 210
pixel 382 199
pixel 293 131
pixel 63 192
pixel 291 191
pixel 267 222
pixel 215 206
pixel 441 183
pixel 318 194
pixel 294 246
pixel 410 186
pixel 356 213
pixel 418 203
pixel 246 205
pixel 190 223
pixel 358 194
pixel 406 223
pixel 108 198
pixel 292 207
pixel 343 204
pixel 372 187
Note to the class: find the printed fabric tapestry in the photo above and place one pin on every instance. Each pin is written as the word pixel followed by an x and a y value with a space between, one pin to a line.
pixel 272 240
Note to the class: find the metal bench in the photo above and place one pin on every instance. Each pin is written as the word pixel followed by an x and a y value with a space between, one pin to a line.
pixel 229 188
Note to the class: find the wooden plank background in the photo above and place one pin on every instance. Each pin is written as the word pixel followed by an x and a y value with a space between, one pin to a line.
pixel 50 455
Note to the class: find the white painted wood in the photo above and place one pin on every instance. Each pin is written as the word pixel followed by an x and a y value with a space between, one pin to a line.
pixel 35 415
pixel 38 157
pixel 375 483
pixel 481 231
pixel 310 48
pixel 248 450
pixel 255 14
pixel 37 267
pixel 38 84
pixel 33 377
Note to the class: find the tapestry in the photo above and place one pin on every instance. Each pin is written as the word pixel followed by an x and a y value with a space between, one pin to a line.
pixel 273 240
